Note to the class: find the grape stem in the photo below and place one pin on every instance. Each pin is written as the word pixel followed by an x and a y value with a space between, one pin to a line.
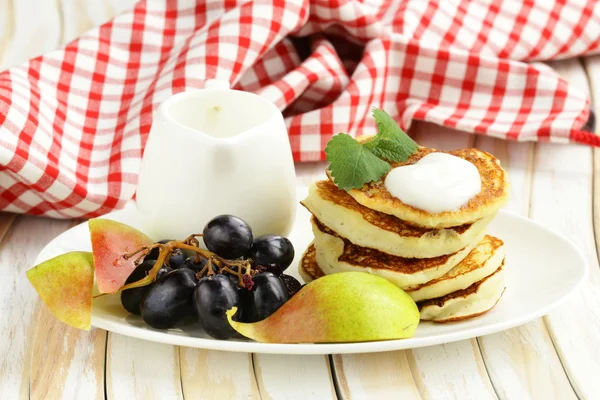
pixel 241 281
pixel 209 265
pixel 144 251
pixel 165 251
pixel 192 239
pixel 234 267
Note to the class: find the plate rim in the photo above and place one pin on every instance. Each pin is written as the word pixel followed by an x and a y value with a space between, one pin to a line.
pixel 332 348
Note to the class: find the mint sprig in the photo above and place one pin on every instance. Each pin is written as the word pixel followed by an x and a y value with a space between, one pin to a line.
pixel 390 143
pixel 352 164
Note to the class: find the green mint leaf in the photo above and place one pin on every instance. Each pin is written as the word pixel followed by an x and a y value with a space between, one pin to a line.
pixel 351 164
pixel 390 143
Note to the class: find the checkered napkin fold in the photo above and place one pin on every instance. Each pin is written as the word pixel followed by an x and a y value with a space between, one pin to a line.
pixel 73 122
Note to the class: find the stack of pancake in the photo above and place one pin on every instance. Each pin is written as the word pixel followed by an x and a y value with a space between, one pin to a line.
pixel 445 261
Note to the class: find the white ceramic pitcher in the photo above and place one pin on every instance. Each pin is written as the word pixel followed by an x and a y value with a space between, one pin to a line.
pixel 216 151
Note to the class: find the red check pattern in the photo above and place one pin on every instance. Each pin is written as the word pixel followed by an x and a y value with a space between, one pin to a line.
pixel 73 123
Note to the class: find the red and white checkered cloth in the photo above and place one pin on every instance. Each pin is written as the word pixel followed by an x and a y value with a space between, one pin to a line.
pixel 73 123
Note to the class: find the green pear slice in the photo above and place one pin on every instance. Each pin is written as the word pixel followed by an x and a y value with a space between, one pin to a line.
pixel 65 285
pixel 343 307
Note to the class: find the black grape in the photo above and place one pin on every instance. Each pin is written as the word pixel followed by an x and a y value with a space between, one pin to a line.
pixel 228 236
pixel 274 252
pixel 247 305
pixel 169 299
pixel 270 293
pixel 213 296
pixel 130 298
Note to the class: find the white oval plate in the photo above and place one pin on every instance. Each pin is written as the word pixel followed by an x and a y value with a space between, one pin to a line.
pixel 542 270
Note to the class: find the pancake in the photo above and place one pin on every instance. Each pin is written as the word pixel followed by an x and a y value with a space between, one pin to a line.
pixel 482 261
pixel 336 254
pixel 493 195
pixel 308 268
pixel 464 304
pixel 365 227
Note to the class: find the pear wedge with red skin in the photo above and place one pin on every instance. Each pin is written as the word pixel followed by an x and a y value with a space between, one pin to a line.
pixel 342 307
pixel 65 284
pixel 110 240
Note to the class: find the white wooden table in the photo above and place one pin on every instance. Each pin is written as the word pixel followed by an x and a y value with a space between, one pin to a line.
pixel 555 357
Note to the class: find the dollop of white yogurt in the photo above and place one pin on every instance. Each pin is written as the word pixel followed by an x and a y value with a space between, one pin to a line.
pixel 436 183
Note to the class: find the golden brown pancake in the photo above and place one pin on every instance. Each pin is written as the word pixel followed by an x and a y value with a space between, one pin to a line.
pixel 308 268
pixel 468 303
pixel 336 254
pixel 482 261
pixel 493 195
pixel 365 227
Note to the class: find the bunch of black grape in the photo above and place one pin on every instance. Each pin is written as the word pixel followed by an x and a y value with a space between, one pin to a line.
pixel 238 270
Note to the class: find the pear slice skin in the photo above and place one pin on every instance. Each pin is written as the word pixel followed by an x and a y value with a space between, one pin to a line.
pixel 110 240
pixel 65 284
pixel 337 308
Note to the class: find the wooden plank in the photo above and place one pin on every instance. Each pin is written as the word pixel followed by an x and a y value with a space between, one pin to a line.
pixel 374 376
pixel 66 360
pixel 207 374
pixel 138 369
pixel 76 19
pixel 522 362
pixel 113 7
pixel 25 34
pixel 562 200
pixel 6 30
pixel 293 377
pixel 451 371
pixel 18 300
pixel 6 221
pixel 79 16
